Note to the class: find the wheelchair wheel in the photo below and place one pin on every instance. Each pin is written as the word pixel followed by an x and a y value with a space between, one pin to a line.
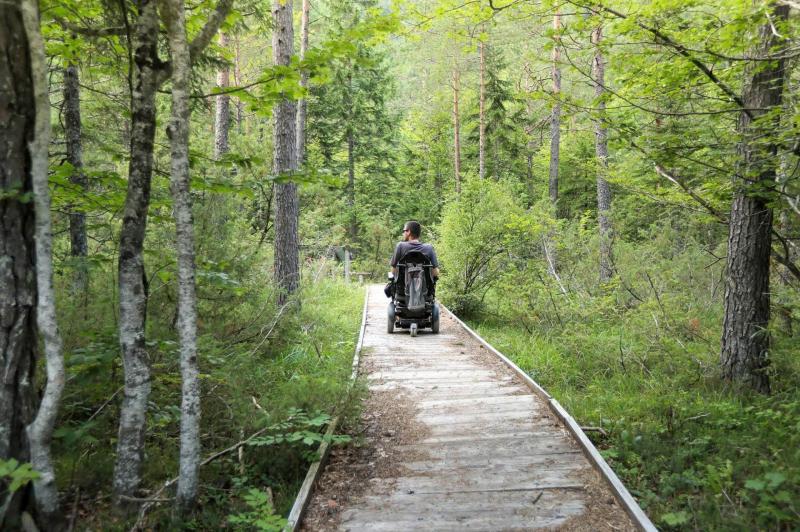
pixel 435 319
pixel 390 316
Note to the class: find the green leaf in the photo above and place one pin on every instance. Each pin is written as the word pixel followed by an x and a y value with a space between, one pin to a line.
pixel 755 484
pixel 675 518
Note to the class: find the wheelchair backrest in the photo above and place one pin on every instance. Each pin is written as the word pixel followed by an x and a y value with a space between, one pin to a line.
pixel 414 272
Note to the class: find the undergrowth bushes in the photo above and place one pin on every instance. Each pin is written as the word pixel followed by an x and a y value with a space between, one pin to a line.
pixel 639 358
pixel 280 372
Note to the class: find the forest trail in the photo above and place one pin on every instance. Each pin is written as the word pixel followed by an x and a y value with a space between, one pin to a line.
pixel 454 439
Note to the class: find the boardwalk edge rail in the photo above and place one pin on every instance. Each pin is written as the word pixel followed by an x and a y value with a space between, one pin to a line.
pixel 627 501
pixel 314 470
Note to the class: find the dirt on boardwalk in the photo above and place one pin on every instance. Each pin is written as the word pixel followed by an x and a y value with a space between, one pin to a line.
pixel 387 421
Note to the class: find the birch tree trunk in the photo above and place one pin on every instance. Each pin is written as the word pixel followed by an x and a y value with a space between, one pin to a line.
pixel 132 281
pixel 302 104
pixel 601 151
pixel 745 340
pixel 79 247
pixel 555 141
pixel 148 73
pixel 285 161
pixel 456 132
pixel 186 496
pixel 482 114
pixel 555 117
pixel 222 111
pixel 40 431
pixel 18 345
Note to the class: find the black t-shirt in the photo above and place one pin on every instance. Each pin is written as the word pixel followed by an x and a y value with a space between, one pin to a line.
pixel 414 245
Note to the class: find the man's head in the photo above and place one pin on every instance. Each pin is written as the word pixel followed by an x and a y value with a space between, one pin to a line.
pixel 411 231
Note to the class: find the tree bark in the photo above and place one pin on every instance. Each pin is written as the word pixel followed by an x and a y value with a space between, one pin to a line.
pixel 79 248
pixel 745 340
pixel 555 139
pixel 555 117
pixel 18 345
pixel 132 281
pixel 785 276
pixel 222 112
pixel 351 185
pixel 456 132
pixel 285 161
pixel 601 151
pixel 178 132
pixel 237 79
pixel 40 431
pixel 302 104
pixel 482 114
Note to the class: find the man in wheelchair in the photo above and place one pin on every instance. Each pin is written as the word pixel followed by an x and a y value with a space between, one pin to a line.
pixel 412 283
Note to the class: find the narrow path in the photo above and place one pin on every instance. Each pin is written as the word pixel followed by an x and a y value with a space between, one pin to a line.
pixel 455 440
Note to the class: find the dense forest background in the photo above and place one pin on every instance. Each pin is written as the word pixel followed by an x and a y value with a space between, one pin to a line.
pixel 612 188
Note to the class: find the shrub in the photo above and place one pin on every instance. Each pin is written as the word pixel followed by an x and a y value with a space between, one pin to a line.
pixel 475 238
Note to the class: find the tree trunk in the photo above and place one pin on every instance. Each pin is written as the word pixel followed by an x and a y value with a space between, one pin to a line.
pixel 555 139
pixel 302 104
pixel 18 344
pixel 40 431
pixel 555 117
pixel 351 186
pixel 237 79
pixel 456 132
pixel 529 130
pixel 79 248
pixel 285 161
pixel 745 341
pixel 186 495
pixel 482 115
pixel 222 113
pixel 601 151
pixel 785 276
pixel 132 280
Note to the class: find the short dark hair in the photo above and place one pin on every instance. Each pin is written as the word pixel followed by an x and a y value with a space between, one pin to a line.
pixel 414 228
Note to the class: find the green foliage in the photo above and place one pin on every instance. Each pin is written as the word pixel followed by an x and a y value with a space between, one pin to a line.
pixel 476 234
pixel 261 515
pixel 15 475
pixel 299 428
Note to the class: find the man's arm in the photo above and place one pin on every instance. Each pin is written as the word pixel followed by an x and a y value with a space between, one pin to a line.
pixel 435 263
pixel 395 258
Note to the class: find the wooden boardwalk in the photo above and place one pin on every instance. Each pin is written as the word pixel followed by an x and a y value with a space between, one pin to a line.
pixel 456 440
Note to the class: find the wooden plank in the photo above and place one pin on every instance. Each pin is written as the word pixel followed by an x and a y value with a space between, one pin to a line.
pixel 512 433
pixel 477 483
pixel 426 404
pixel 474 418
pixel 509 447
pixel 507 510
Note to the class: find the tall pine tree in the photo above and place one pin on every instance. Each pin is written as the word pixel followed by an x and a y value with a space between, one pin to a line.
pixel 349 122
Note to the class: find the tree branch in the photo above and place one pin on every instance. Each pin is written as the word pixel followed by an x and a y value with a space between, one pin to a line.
pixel 665 40
pixel 202 39
pixel 90 32
pixel 673 179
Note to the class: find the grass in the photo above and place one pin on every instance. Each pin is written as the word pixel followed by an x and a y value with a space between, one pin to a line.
pixel 696 454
